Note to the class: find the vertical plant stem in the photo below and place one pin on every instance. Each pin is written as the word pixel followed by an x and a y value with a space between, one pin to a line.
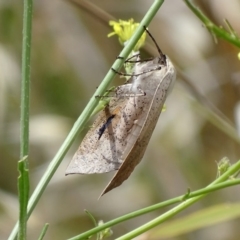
pixel 23 195
pixel 23 180
pixel 25 86
pixel 81 121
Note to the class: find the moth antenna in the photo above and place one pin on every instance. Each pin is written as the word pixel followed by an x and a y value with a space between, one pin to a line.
pixel 158 48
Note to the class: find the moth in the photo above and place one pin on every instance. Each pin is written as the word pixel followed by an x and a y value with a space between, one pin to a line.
pixel 121 132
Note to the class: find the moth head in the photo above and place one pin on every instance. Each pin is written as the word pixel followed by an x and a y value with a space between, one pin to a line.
pixel 162 60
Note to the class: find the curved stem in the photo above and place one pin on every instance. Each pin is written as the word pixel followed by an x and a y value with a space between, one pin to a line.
pixel 189 196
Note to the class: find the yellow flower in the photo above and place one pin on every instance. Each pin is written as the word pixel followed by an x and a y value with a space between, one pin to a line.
pixel 239 56
pixel 125 30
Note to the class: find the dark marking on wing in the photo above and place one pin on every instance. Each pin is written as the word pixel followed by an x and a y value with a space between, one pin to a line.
pixel 104 126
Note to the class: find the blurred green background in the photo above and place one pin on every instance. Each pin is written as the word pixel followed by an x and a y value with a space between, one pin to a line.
pixel 70 56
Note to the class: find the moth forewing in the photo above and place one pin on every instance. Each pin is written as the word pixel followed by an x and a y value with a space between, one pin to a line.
pixel 98 155
pixel 156 85
pixel 121 132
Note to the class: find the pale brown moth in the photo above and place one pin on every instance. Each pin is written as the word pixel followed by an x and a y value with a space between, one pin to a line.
pixel 120 134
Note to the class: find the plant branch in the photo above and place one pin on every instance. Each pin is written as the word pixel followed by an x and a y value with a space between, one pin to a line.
pixel 216 185
pixel 232 170
pixel 217 31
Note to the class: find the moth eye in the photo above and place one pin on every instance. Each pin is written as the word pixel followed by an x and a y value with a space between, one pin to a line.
pixel 162 60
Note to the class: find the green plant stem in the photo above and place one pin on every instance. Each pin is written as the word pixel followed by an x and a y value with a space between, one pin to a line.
pixel 232 170
pixel 23 195
pixel 25 86
pixel 208 109
pixel 217 121
pixel 79 125
pixel 199 193
pixel 44 231
pixel 217 31
pixel 23 180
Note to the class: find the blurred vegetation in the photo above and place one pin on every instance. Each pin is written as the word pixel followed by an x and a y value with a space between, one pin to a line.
pixel 70 55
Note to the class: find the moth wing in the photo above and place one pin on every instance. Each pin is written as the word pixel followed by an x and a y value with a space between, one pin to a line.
pixel 142 132
pixel 134 156
pixel 99 155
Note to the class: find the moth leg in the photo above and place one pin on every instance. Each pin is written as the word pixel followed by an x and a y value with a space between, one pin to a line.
pixel 134 75
pixel 127 91
pixel 105 95
pixel 142 93
pixel 140 60
pixel 128 59
pixel 119 57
